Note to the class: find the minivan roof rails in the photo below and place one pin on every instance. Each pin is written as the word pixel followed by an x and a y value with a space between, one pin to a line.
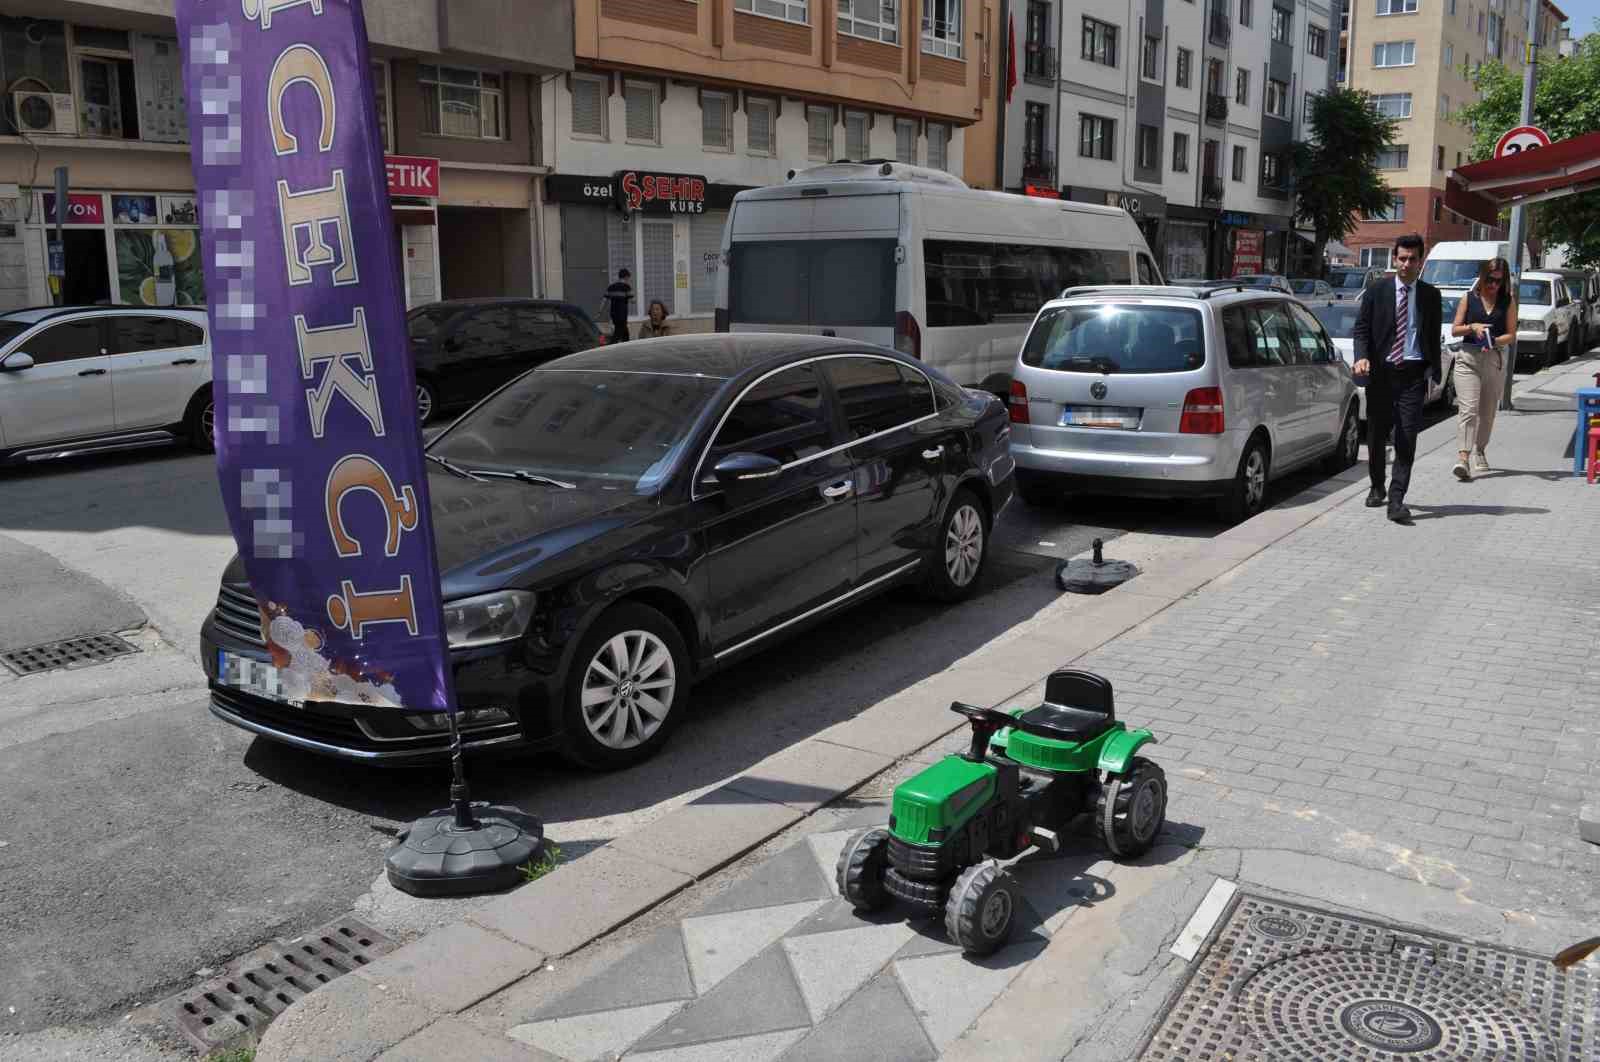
pixel 1191 291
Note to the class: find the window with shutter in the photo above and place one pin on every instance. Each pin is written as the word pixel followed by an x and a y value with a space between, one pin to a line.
pixel 641 101
pixel 588 106
pixel 855 137
pixel 905 140
pixel 758 121
pixel 819 133
pixel 716 121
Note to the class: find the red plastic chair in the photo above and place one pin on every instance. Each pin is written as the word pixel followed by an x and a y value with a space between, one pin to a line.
pixel 1594 451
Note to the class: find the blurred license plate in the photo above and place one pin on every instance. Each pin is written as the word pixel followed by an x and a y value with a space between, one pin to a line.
pixel 251 676
pixel 1123 418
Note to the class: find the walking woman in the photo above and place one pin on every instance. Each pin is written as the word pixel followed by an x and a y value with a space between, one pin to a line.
pixel 1487 319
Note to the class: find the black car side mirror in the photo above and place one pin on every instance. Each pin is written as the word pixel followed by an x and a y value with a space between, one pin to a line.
pixel 741 473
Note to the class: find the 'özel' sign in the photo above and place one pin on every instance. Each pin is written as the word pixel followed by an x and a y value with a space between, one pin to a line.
pixel 319 453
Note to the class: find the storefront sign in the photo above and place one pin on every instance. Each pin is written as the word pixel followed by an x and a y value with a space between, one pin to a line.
pixel 1247 251
pixel 319 453
pixel 661 193
pixel 412 175
pixel 82 208
pixel 1234 217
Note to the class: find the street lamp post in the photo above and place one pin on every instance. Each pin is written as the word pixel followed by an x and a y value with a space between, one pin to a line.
pixel 1519 218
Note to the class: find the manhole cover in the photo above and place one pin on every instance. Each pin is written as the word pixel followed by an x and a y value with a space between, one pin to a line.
pixel 70 652
pixel 1285 983
pixel 262 984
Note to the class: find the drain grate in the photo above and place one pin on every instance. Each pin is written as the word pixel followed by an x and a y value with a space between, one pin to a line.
pixel 264 983
pixel 1284 982
pixel 70 652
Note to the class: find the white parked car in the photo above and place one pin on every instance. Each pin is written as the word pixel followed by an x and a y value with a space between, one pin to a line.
pixel 1548 320
pixel 1178 392
pixel 1339 318
pixel 86 379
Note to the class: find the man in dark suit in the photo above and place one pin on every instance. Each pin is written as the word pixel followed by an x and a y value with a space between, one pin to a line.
pixel 1397 341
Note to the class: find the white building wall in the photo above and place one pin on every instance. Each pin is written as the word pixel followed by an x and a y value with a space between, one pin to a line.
pixel 1096 89
pixel 1185 106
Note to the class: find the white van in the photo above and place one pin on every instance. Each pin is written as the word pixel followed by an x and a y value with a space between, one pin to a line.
pixel 912 258
pixel 1452 265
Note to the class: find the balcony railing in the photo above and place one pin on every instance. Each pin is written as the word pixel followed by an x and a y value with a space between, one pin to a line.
pixel 1221 28
pixel 1040 63
pixel 1216 107
pixel 1039 165
pixel 1211 189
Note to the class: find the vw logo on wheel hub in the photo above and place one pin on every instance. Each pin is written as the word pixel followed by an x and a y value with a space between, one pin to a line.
pixel 1098 390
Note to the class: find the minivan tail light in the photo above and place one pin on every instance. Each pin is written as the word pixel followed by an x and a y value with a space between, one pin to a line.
pixel 1202 412
pixel 907 335
pixel 1018 404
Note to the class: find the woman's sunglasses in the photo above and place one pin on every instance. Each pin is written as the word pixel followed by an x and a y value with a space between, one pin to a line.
pixel 1494 280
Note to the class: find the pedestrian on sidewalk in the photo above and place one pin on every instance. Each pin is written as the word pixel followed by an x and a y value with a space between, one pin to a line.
pixel 1487 319
pixel 618 297
pixel 1397 347
pixel 656 326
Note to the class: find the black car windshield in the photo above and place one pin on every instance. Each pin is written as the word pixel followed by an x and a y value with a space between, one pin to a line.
pixel 1451 272
pixel 424 321
pixel 1534 292
pixel 1116 339
pixel 1351 280
pixel 1339 319
pixel 620 430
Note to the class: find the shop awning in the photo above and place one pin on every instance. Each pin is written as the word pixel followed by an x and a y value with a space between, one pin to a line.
pixel 1484 189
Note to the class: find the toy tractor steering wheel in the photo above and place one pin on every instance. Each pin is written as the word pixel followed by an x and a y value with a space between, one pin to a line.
pixel 986 723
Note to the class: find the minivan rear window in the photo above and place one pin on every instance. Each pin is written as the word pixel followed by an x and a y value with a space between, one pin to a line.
pixel 1116 339
pixel 822 283
pixel 1450 272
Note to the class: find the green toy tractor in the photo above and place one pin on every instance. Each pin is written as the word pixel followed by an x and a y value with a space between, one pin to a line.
pixel 1026 776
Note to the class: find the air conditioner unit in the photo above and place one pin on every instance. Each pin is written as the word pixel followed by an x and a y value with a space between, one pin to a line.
pixel 45 112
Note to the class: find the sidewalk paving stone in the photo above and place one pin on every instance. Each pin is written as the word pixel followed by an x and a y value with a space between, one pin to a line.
pixel 708 832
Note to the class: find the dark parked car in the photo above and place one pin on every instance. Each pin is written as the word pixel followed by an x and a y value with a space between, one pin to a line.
pixel 618 524
pixel 465 348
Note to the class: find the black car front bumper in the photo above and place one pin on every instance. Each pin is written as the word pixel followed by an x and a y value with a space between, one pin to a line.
pixel 360 733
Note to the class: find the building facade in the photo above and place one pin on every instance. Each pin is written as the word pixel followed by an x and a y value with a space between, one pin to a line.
pixel 1181 111
pixel 677 105
pixel 458 84
pixel 1416 58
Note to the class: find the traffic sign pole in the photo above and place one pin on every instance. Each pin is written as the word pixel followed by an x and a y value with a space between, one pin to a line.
pixel 1519 223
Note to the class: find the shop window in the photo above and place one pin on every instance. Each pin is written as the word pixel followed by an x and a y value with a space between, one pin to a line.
pixel 905 140
pixel 941 27
pixel 716 121
pixel 876 20
pixel 589 95
pixel 856 136
pixel 705 260
pixel 938 145
pixel 461 103
pixel 758 116
pixel 819 133
pixel 643 106
pixel 787 10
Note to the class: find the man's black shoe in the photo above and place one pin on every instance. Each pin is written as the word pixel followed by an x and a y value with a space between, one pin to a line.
pixel 1400 514
pixel 1376 497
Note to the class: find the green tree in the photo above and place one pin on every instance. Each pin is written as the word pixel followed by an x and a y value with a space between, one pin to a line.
pixel 1336 171
pixel 1566 103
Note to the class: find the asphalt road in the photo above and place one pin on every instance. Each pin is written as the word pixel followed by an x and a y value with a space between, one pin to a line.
pixel 143 840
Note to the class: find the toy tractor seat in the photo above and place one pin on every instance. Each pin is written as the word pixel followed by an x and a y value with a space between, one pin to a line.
pixel 1078 706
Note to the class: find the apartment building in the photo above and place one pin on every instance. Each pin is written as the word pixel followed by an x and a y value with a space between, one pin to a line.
pixel 458 85
pixel 677 105
pixel 1180 111
pixel 1415 57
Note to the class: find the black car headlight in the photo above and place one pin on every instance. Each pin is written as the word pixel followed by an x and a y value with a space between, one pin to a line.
pixel 488 618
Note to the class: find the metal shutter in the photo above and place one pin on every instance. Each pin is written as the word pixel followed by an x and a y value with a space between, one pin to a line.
pixel 641 112
pixel 588 106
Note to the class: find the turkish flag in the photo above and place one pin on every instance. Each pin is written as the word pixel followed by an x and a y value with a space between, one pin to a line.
pixel 1011 57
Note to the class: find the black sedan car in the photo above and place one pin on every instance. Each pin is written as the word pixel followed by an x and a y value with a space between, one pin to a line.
pixel 618 524
pixel 465 348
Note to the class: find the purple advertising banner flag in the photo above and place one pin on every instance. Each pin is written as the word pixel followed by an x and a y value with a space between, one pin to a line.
pixel 319 452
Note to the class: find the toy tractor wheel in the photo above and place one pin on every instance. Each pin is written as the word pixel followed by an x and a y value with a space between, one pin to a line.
pixel 1131 808
pixel 861 868
pixel 981 908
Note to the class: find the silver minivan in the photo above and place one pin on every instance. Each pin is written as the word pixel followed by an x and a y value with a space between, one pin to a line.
pixel 1205 392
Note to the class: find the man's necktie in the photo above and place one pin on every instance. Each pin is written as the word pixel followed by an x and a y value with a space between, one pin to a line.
pixel 1402 326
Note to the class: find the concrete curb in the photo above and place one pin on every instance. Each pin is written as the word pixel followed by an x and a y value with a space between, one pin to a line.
pixel 448 970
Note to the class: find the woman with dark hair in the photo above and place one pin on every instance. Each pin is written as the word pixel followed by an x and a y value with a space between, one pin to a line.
pixel 657 324
pixel 1487 319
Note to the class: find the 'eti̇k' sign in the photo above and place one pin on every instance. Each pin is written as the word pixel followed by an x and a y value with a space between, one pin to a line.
pixel 318 449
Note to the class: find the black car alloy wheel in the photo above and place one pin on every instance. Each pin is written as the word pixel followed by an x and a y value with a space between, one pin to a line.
pixel 956 560
pixel 626 689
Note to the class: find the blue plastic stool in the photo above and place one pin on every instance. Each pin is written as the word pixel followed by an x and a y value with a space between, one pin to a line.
pixel 1588 406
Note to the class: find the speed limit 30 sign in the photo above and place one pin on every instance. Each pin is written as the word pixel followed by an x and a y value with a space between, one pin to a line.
pixel 1520 139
